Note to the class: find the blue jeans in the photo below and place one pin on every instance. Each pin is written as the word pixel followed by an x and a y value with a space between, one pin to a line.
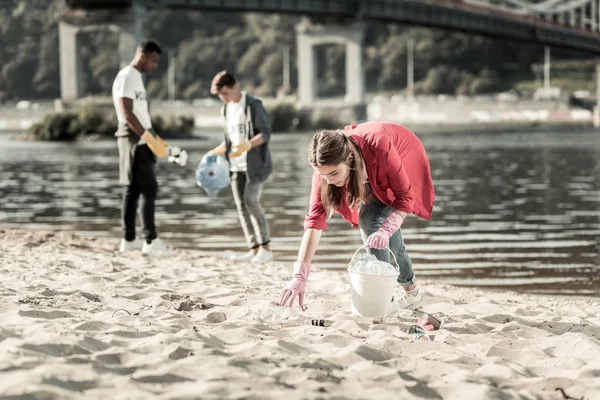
pixel 372 215
pixel 252 216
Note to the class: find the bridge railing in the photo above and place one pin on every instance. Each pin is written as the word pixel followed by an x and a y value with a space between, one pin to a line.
pixel 582 14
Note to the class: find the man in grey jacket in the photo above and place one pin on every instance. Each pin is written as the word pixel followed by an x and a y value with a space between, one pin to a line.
pixel 246 146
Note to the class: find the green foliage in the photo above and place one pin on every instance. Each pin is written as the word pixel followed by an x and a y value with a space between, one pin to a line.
pixel 55 127
pixel 82 121
pixel 283 116
pixel 252 46
pixel 89 119
pixel 173 127
pixel 286 117
pixel 331 67
pixel 325 120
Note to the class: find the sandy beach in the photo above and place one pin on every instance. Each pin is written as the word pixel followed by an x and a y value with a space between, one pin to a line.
pixel 80 320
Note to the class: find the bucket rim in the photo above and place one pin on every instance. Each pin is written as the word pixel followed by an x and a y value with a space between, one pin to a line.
pixel 364 273
pixel 364 246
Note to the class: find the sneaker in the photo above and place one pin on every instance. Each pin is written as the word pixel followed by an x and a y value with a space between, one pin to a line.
pixel 393 308
pixel 246 257
pixel 263 256
pixel 127 246
pixel 409 300
pixel 157 248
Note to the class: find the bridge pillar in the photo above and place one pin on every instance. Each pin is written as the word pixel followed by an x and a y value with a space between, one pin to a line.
pixel 308 36
pixel 129 27
pixel 71 82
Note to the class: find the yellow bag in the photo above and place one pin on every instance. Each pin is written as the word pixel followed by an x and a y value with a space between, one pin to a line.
pixel 157 145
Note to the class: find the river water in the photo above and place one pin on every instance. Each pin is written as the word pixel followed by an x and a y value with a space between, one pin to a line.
pixel 516 210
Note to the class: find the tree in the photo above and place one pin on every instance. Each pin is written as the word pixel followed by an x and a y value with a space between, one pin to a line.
pixel 251 46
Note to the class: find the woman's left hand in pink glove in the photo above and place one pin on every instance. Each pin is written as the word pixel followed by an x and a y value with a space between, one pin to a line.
pixel 295 288
pixel 380 239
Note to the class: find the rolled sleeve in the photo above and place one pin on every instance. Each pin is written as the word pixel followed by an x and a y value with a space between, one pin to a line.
pixel 317 215
pixel 261 121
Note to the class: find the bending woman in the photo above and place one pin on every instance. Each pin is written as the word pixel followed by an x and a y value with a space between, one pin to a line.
pixel 381 166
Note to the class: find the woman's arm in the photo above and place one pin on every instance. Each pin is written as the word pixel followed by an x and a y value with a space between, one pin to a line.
pixel 316 218
pixel 402 213
pixel 309 244
pixel 295 287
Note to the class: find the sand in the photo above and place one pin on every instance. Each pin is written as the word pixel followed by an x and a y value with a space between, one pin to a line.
pixel 202 327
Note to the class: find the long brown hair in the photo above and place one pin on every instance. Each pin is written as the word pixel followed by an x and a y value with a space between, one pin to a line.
pixel 333 147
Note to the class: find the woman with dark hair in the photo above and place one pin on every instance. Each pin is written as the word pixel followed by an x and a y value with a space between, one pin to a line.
pixel 381 166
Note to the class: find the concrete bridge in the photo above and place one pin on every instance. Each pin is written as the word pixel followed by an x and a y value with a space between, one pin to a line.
pixel 571 24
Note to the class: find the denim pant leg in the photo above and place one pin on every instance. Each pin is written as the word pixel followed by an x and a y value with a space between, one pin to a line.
pixel 238 188
pixel 260 226
pixel 252 216
pixel 371 216
pixel 144 175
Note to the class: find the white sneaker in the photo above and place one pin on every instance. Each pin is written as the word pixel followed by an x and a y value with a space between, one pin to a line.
pixel 246 257
pixel 157 248
pixel 263 256
pixel 409 300
pixel 127 246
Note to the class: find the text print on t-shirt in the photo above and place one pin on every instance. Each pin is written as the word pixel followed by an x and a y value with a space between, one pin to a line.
pixel 237 129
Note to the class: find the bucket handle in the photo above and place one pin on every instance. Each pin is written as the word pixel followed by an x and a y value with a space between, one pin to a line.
pixel 364 246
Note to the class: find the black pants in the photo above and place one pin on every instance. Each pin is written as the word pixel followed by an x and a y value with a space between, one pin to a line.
pixel 142 184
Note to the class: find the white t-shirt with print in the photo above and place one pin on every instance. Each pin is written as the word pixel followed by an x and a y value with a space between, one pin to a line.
pixel 236 130
pixel 129 83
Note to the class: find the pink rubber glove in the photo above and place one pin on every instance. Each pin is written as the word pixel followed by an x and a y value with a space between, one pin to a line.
pixel 380 239
pixel 295 287
pixel 422 322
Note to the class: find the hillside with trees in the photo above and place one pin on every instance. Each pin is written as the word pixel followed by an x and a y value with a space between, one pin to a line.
pixel 252 45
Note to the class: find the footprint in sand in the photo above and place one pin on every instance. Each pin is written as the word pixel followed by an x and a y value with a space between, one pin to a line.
pixel 187 303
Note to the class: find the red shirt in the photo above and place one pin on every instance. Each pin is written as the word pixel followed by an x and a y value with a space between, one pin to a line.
pixel 397 169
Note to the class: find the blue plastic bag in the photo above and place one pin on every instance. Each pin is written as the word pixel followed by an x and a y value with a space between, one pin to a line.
pixel 212 174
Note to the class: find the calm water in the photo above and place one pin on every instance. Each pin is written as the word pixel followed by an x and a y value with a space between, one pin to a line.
pixel 519 211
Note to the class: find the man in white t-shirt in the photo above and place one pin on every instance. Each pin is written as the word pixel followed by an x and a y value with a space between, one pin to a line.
pixel 137 163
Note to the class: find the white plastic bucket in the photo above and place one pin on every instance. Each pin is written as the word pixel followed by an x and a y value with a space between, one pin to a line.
pixel 372 294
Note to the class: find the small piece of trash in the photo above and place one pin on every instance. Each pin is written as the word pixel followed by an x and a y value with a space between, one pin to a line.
pixel 416 333
pixel 120 312
pixel 428 322
pixel 425 323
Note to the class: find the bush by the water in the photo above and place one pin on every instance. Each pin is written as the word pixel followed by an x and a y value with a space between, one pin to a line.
pixel 283 116
pixel 325 120
pixel 54 127
pixel 89 120
pixel 173 127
